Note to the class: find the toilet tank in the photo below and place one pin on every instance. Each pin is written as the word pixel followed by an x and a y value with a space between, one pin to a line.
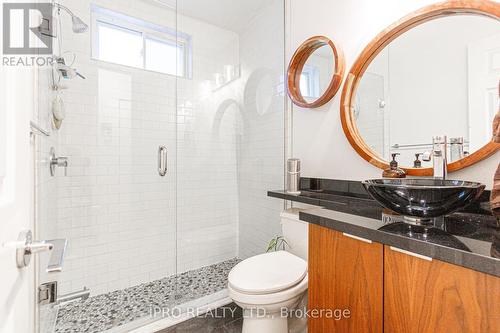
pixel 295 232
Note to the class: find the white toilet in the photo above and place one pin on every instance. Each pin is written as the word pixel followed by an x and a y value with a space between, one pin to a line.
pixel 266 284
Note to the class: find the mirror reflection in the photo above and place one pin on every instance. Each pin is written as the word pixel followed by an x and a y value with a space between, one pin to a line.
pixel 317 73
pixel 439 78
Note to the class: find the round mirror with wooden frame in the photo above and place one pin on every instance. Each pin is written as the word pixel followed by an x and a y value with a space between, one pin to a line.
pixel 315 72
pixel 423 97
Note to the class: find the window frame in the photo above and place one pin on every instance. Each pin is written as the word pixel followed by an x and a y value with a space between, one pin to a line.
pixel 96 41
pixel 148 30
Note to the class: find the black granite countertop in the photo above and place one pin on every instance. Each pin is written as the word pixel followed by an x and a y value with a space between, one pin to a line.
pixel 470 238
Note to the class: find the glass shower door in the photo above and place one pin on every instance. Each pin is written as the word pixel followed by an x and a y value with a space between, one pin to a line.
pixel 115 203
pixel 230 138
pixel 147 242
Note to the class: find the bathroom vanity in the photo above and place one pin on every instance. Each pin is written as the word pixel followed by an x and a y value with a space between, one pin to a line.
pixel 393 276
pixel 391 290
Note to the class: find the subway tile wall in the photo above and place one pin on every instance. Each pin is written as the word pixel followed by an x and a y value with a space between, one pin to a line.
pixel 127 225
pixel 208 151
pixel 116 212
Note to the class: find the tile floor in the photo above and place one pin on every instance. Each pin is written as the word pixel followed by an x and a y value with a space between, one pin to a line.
pixel 107 311
pixel 227 319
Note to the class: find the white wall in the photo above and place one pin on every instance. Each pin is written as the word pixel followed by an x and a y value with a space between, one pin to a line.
pixel 318 137
pixel 262 103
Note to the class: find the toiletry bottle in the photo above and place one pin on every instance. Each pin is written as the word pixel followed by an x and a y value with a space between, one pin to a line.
pixel 417 163
pixel 394 171
pixel 293 176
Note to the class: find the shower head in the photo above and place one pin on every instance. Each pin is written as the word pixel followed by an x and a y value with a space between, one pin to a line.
pixel 78 25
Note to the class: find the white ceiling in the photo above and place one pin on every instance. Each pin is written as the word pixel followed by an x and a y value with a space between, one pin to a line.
pixel 232 15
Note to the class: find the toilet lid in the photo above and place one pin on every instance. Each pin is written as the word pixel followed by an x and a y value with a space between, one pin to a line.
pixel 268 273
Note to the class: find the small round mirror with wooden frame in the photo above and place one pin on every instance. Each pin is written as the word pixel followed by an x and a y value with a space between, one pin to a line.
pixel 432 73
pixel 315 72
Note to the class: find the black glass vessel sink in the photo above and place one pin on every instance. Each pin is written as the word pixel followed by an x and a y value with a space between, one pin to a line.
pixel 423 199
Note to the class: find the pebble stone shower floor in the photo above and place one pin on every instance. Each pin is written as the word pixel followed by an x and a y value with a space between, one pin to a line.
pixel 103 312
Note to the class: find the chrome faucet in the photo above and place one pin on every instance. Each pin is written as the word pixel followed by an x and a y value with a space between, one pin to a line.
pixel 438 156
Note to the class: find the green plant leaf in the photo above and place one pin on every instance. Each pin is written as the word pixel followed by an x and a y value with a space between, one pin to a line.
pixel 277 243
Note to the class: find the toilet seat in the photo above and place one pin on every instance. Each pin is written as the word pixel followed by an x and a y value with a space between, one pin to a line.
pixel 267 273
pixel 267 299
pixel 269 278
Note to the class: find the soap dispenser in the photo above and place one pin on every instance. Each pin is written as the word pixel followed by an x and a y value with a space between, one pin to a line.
pixel 417 163
pixel 394 170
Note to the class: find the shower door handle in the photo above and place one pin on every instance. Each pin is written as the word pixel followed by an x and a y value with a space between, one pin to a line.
pixel 162 161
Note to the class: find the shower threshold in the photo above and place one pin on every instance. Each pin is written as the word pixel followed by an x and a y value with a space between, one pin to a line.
pixel 167 300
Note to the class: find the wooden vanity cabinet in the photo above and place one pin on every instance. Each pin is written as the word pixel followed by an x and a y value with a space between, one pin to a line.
pixel 345 273
pixel 394 291
pixel 430 296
